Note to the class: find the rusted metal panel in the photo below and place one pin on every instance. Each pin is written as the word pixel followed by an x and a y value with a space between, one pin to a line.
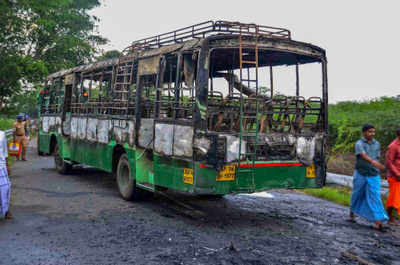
pixel 146 133
pixel 183 141
pixel 69 79
pixel 124 131
pixel 163 138
pixel 91 132
pixel 291 46
pixel 202 144
pixel 305 150
pixel 232 150
pixel 84 68
pixel 82 124
pixel 200 110
pixel 103 128
pixel 45 124
pixel 308 147
pixel 149 66
pixel 58 125
pixel 188 69
pixel 131 133
pixel 66 125
pixel 52 121
pixel 74 127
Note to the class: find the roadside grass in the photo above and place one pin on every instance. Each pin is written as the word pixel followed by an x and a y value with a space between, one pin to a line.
pixel 337 194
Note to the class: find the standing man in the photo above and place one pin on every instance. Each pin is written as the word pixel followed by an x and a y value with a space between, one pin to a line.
pixel 366 198
pixel 393 177
pixel 5 184
pixel 19 134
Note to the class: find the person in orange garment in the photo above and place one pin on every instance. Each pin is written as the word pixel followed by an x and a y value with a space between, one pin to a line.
pixel 393 177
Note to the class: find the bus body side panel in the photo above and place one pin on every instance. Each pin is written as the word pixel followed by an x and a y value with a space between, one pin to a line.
pixel 267 175
pixel 173 173
pixel 93 154
pixel 44 142
pixel 65 147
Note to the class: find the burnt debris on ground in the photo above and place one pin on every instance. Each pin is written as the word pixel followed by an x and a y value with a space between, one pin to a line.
pixel 80 219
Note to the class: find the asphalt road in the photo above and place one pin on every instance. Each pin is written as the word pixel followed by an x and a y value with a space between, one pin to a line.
pixel 80 219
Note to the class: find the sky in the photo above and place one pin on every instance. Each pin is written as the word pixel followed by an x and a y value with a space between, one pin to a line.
pixel 361 38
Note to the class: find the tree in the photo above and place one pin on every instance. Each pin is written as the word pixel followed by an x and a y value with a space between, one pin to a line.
pixel 109 55
pixel 38 37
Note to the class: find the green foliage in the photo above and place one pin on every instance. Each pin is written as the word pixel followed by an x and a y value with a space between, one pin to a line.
pixel 347 118
pixel 109 55
pixel 38 37
pixel 6 124
pixel 22 103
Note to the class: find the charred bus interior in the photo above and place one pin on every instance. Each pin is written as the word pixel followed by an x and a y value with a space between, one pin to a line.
pixel 257 106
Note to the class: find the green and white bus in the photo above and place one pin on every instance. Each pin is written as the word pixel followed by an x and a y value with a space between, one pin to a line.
pixel 200 110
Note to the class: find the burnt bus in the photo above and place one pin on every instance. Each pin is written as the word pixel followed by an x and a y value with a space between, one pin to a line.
pixel 198 110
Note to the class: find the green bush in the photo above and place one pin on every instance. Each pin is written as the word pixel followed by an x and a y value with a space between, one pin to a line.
pixel 347 118
pixel 6 124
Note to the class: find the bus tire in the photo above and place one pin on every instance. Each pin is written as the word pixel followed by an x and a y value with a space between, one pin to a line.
pixel 61 166
pixel 126 184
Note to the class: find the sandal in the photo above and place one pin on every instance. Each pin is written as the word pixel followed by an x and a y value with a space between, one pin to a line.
pixel 380 227
pixel 8 216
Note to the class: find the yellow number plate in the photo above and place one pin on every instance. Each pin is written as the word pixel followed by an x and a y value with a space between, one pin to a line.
pixel 310 171
pixel 188 175
pixel 227 173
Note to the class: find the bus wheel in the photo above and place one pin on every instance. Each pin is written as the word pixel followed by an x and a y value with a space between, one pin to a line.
pixel 61 166
pixel 126 184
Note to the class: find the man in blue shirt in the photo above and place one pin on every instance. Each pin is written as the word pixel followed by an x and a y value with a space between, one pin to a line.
pixel 366 198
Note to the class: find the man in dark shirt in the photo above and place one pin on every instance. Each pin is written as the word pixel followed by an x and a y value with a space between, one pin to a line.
pixel 365 198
